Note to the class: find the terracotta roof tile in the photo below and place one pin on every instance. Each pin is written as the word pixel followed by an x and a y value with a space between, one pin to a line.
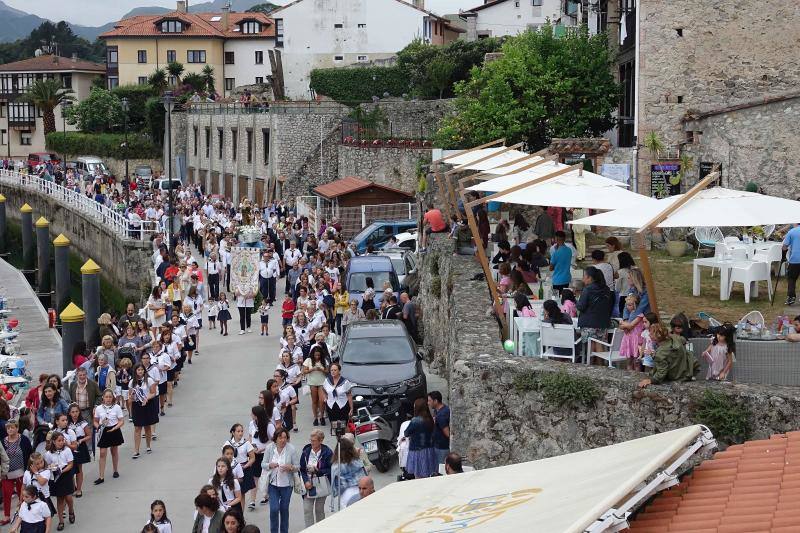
pixel 198 25
pixel 747 488
pixel 350 184
pixel 45 63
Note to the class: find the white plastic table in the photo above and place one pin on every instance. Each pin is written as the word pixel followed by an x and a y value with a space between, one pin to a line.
pixel 724 267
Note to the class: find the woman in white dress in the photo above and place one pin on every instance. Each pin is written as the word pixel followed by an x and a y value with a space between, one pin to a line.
pixel 156 311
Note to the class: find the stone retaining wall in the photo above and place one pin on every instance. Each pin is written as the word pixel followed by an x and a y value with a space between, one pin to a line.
pixel 501 411
pixel 394 167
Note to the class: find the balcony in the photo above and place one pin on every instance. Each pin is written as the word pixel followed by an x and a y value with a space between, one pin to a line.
pixel 22 122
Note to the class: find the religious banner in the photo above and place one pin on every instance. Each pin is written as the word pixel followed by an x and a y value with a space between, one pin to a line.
pixel 244 270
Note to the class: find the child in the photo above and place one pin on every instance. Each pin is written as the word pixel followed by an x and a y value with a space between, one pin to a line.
pixel 39 476
pixel 158 517
pixel 647 347
pixel 568 303
pixel 633 332
pixel 33 515
pixel 213 310
pixel 224 315
pixel 123 378
pixel 720 354
pixel 189 332
pixel 287 310
pixel 263 312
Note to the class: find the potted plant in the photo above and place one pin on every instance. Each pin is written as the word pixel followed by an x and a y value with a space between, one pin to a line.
pixel 675 239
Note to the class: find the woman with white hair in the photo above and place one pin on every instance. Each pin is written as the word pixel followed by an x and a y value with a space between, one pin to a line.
pixel 315 470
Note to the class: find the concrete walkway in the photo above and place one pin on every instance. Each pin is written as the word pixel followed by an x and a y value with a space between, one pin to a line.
pixel 215 392
pixel 40 344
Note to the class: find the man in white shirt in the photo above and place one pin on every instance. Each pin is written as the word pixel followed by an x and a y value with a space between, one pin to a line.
pixel 274 267
pixel 264 274
pixel 599 262
pixel 291 257
pixel 316 317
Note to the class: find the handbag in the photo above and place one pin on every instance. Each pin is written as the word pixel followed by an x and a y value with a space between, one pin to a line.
pixel 322 486
pixel 299 487
pixel 160 312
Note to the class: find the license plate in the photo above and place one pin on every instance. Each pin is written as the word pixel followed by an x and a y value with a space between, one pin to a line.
pixel 371 446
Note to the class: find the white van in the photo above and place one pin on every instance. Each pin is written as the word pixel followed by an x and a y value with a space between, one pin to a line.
pixel 163 184
pixel 88 165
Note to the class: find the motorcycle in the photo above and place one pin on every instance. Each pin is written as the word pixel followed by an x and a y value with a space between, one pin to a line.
pixel 376 435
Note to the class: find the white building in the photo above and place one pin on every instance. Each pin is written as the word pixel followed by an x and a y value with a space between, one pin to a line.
pixel 248 40
pixel 498 18
pixel 336 33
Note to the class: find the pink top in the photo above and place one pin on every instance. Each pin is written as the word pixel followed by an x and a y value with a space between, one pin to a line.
pixel 569 308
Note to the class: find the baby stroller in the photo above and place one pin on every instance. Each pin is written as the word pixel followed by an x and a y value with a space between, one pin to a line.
pixel 128 352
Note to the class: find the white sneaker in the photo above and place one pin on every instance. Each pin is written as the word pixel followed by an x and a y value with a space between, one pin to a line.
pixel 241 332
pixel 249 330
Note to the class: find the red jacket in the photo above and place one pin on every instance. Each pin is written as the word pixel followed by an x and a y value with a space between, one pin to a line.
pixel 287 309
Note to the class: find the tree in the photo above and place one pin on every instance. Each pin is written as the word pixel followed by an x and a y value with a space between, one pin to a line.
pixel 158 80
pixel 50 32
pixel 46 94
pixel 541 87
pixel 440 73
pixel 175 70
pixel 266 8
pixel 196 81
pixel 208 75
pixel 101 112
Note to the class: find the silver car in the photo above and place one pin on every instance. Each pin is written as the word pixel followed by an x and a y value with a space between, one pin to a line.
pixel 404 262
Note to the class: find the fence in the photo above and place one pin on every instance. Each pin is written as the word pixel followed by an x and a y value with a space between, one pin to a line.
pixel 387 132
pixel 234 108
pixel 352 219
pixel 77 201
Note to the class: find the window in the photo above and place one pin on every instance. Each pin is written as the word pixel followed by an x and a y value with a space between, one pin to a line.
pixel 142 80
pixel 259 80
pixel 338 26
pixel 66 81
pixel 626 105
pixel 230 83
pixel 251 26
pixel 25 138
pixel 362 26
pixel 679 31
pixel 338 58
pixel 516 4
pixel 234 142
pixel 249 146
pixel 172 56
pixel 141 56
pixel 3 137
pixel 229 58
pixel 279 32
pixel 172 80
pixel 259 57
pixel 113 81
pixel 208 143
pixel 680 99
pixel 265 135
pixel 196 56
pixel 194 131
pixel 171 26
pixel 112 56
pixel 220 139
pixel 536 3
pixel 362 59
pixel 2 110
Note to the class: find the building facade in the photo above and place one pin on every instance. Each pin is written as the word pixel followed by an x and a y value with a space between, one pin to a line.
pixel 336 33
pixel 22 126
pixel 230 43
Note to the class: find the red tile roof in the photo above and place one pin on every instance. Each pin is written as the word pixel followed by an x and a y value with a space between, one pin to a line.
pixel 748 488
pixel 349 185
pixel 45 63
pixel 199 25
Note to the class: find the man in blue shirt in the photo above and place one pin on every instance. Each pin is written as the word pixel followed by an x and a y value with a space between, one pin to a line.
pixel 560 262
pixel 441 428
pixel 792 243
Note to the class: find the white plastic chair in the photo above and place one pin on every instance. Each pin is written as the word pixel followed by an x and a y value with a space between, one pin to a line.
pixel 770 255
pixel 557 336
pixel 747 275
pixel 612 355
pixel 738 254
pixel 733 240
pixel 754 318
pixel 768 230
pixel 708 237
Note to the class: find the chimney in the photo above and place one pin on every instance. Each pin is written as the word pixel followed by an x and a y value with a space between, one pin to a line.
pixel 226 9
pixel 419 4
pixel 181 7
pixel 74 57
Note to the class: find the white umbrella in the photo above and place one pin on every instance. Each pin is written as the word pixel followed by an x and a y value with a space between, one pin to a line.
pixel 469 157
pixel 717 206
pixel 511 180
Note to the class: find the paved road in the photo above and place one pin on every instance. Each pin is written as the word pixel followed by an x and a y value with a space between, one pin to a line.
pixel 216 391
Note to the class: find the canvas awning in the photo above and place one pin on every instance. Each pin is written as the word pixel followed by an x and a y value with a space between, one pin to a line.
pixel 459 157
pixel 716 206
pixel 569 493
pixel 510 180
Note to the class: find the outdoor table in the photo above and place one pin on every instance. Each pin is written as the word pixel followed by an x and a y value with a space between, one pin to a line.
pixel 527 334
pixel 768 362
pixel 750 248
pixel 724 266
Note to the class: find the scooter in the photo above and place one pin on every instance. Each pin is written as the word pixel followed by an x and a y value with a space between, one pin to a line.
pixel 376 435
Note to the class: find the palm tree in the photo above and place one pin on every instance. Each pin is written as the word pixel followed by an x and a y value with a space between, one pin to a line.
pixel 46 95
pixel 158 80
pixel 208 75
pixel 175 70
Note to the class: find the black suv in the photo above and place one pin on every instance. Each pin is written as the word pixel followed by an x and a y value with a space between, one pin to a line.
pixel 381 359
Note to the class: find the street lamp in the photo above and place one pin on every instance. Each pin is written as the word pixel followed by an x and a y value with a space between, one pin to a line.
pixel 126 181
pixel 169 102
pixel 64 106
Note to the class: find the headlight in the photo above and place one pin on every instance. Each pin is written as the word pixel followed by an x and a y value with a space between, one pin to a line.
pixel 413 382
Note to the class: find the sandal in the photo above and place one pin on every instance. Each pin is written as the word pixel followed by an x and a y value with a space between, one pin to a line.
pixel 60 526
pixel 136 456
pixel 99 480
pixel 71 518
pixel 79 494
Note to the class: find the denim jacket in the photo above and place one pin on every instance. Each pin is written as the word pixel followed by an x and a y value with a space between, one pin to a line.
pixel 346 475
pixel 47 415
pixel 323 466
pixel 420 437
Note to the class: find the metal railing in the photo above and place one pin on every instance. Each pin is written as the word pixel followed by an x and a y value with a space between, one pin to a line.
pixel 123 227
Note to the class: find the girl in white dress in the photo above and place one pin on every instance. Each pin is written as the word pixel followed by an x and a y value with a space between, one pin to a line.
pixel 228 490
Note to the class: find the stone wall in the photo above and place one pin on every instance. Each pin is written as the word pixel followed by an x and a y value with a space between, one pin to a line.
pixel 117 166
pixel 395 167
pixel 126 264
pixel 501 411
pixel 416 119
pixel 727 52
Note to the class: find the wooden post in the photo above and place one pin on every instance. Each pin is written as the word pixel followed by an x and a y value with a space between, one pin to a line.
pixel 644 261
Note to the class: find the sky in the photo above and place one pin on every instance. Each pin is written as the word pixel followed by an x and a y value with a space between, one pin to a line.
pixel 98 12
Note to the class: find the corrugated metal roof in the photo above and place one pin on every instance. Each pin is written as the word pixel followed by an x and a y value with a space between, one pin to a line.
pixel 349 185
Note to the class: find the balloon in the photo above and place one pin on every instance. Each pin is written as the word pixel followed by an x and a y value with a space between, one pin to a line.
pixel 9 395
pixel 509 346
pixel 4 387
pixel 13 322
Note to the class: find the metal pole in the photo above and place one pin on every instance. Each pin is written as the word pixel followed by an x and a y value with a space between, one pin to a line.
pixel 90 288
pixel 61 244
pixel 169 193
pixel 127 173
pixel 2 224
pixel 72 319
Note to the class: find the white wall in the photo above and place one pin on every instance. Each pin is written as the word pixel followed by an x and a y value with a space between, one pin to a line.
pixel 507 19
pixel 244 70
pixel 311 41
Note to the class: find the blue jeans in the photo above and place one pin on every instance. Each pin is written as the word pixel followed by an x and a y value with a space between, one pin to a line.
pixel 279 508
pixel 441 455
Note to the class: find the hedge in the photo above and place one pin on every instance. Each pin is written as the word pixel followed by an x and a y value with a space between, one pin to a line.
pixel 137 95
pixel 352 85
pixel 103 145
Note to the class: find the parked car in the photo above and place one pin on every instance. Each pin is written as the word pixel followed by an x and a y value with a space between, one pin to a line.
pixel 41 158
pixel 163 185
pixel 89 165
pixel 404 262
pixel 383 362
pixel 144 176
pixel 378 233
pixel 405 241
pixel 377 268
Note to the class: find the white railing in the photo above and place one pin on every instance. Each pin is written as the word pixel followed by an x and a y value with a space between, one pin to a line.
pixel 117 222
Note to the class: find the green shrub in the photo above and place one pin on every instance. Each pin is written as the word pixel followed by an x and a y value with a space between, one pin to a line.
pixel 560 388
pixel 137 96
pixel 103 145
pixel 353 85
pixel 729 420
pixel 154 119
